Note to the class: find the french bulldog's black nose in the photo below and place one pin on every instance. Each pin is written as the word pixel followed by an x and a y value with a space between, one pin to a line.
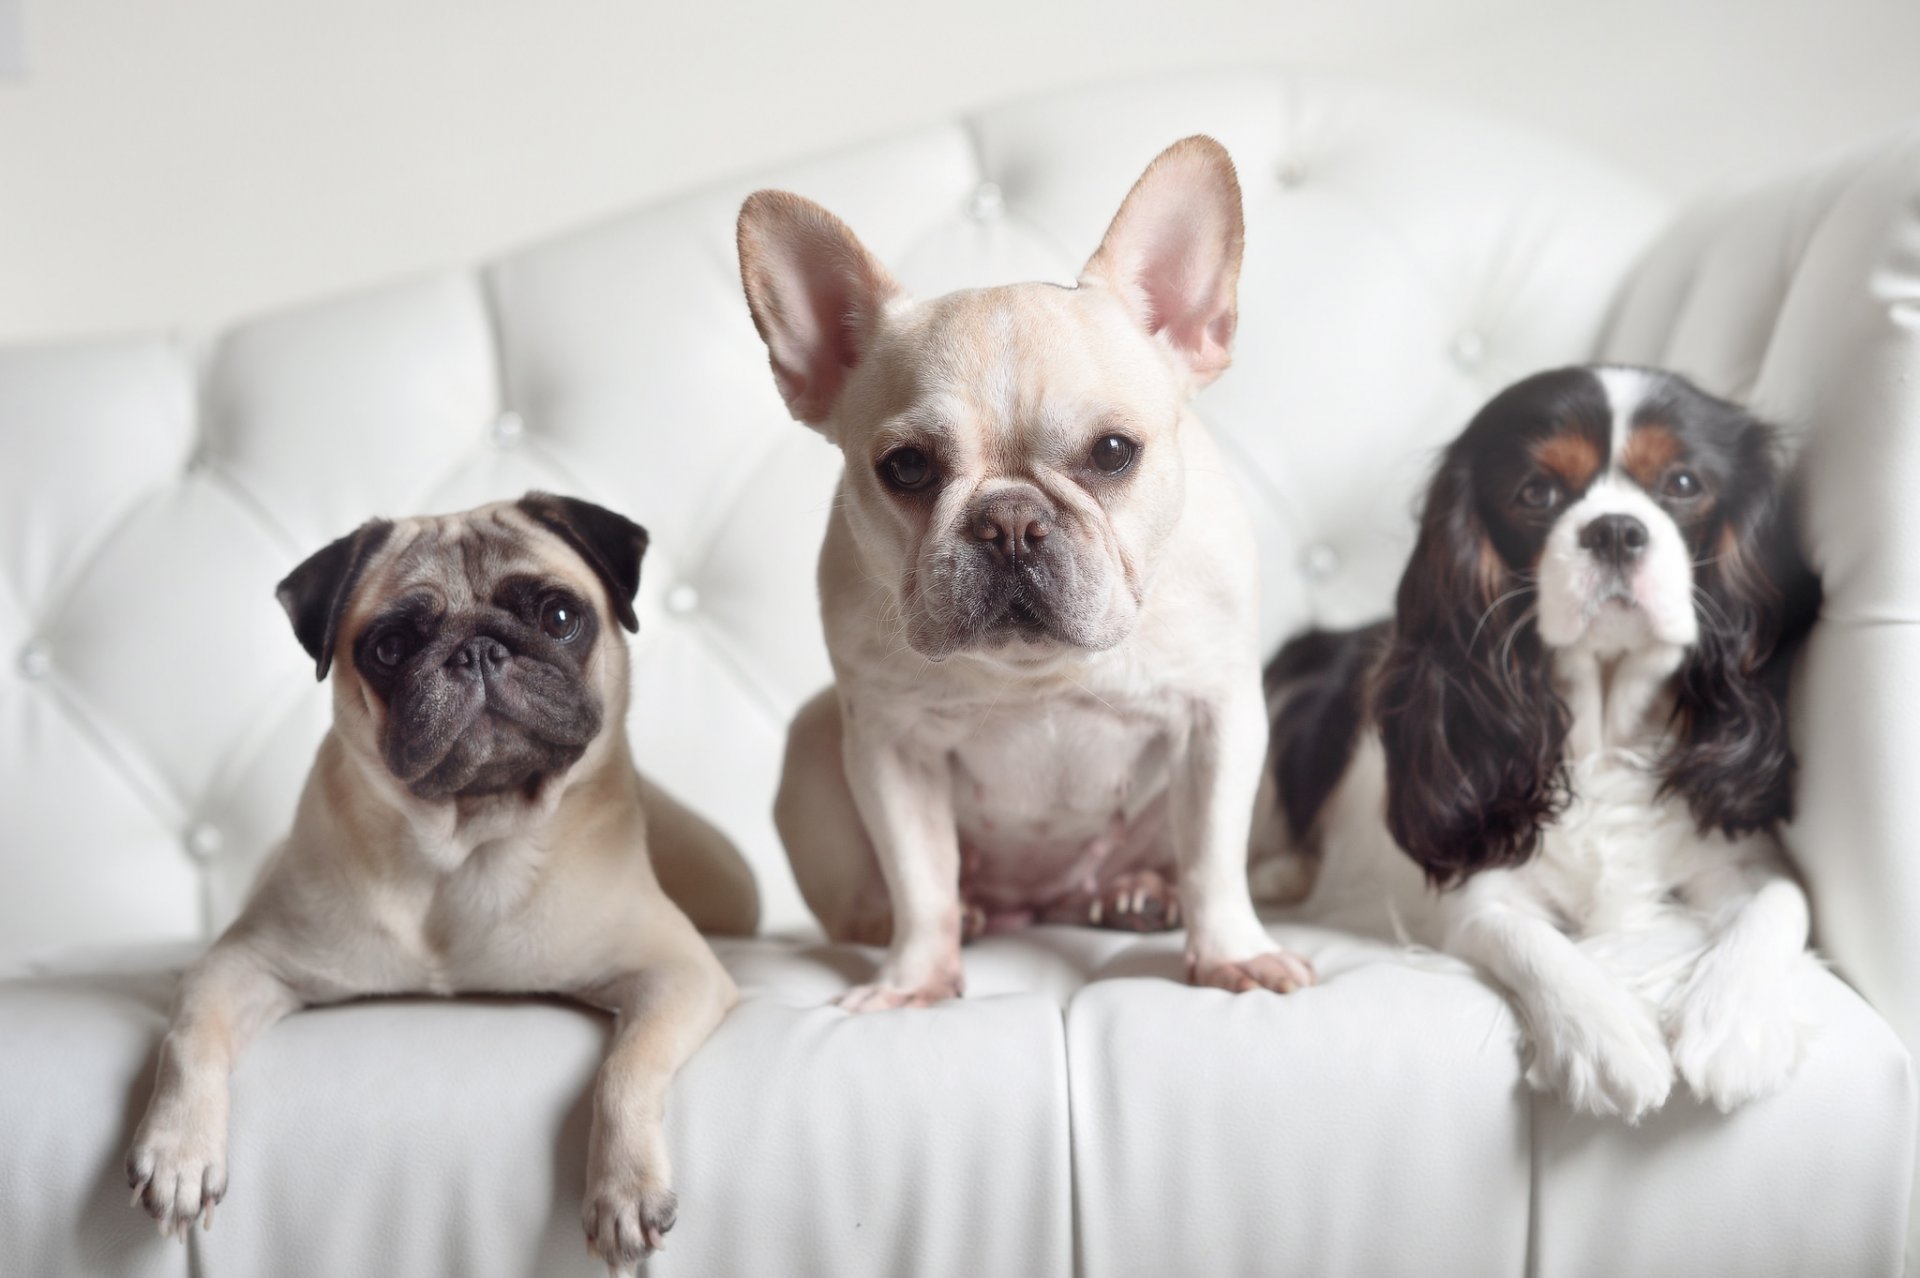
pixel 1013 524
pixel 1615 539
pixel 478 656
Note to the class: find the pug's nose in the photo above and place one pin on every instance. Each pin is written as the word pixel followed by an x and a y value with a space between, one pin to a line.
pixel 1615 539
pixel 1012 524
pixel 478 657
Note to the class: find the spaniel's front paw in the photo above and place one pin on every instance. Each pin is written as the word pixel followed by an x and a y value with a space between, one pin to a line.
pixel 1603 1054
pixel 1735 1034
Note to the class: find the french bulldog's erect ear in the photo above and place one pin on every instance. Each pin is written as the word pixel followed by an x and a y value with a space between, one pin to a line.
pixel 316 593
pixel 1173 253
pixel 815 293
pixel 611 544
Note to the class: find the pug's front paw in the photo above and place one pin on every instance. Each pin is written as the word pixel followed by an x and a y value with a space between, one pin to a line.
pixel 178 1172
pixel 627 1216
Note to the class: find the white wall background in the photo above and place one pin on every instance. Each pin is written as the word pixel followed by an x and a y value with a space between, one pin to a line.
pixel 181 164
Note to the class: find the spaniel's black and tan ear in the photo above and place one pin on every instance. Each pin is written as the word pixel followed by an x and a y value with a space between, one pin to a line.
pixel 315 595
pixel 1733 762
pixel 1473 731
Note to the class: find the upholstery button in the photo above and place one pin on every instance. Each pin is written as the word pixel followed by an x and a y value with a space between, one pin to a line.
pixel 987 202
pixel 507 429
pixel 36 663
pixel 682 599
pixel 1318 561
pixel 1469 349
pixel 1290 174
pixel 204 841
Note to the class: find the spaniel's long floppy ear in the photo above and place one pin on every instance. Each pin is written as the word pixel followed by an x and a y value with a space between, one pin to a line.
pixel 1733 762
pixel 316 594
pixel 1173 254
pixel 816 295
pixel 1472 728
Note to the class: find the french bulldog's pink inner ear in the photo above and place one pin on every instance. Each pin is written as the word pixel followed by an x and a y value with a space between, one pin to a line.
pixel 1173 253
pixel 816 295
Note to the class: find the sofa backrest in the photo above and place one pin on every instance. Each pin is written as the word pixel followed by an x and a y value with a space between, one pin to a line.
pixel 156 717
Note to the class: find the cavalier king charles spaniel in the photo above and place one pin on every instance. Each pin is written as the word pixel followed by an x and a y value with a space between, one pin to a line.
pixel 1565 757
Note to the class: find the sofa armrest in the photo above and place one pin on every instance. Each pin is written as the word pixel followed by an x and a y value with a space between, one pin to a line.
pixel 1802 297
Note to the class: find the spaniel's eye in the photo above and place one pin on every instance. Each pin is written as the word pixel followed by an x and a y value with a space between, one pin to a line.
pixel 907 469
pixel 1683 484
pixel 560 619
pixel 391 649
pixel 1538 494
pixel 1112 454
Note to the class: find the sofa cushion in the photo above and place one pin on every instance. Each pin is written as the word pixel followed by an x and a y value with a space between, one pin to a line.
pixel 426 1136
pixel 1375 1124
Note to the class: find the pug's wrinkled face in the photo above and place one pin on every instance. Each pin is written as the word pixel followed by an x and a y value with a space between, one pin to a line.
pixel 479 654
pixel 481 646
pixel 1013 463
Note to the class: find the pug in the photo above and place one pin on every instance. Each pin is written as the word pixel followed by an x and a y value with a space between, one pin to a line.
pixel 1038 588
pixel 473 822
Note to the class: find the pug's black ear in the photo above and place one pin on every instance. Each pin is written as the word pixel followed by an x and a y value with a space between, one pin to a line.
pixel 316 593
pixel 611 543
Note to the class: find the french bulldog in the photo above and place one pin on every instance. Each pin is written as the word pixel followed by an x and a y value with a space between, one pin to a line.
pixel 473 822
pixel 1038 588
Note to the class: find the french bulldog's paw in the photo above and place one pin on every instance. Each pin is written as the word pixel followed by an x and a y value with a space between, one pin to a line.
pixel 177 1174
pixel 884 995
pixel 1604 1056
pixel 627 1217
pixel 1277 970
pixel 1734 1033
pixel 1140 901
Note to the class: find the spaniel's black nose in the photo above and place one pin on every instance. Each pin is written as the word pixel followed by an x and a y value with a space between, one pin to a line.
pixel 1615 539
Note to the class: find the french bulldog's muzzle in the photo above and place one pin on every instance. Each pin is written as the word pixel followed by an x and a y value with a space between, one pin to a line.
pixel 1010 570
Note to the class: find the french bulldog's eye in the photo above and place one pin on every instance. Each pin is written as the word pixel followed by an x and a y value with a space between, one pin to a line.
pixel 1112 454
pixel 1538 494
pixel 1682 484
pixel 391 648
pixel 560 619
pixel 907 469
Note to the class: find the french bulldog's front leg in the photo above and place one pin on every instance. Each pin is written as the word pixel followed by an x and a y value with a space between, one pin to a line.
pixel 905 799
pixel 662 1015
pixel 177 1167
pixel 1213 796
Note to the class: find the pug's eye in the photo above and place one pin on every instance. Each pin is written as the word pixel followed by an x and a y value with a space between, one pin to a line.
pixel 907 469
pixel 1683 485
pixel 560 619
pixel 1112 454
pixel 391 649
pixel 1538 494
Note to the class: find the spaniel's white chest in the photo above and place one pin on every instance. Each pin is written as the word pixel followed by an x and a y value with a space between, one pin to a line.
pixel 1613 858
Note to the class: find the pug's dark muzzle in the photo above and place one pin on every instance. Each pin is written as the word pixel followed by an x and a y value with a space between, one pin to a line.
pixel 477 714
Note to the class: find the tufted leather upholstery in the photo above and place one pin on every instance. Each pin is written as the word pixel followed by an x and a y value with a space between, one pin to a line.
pixel 1403 261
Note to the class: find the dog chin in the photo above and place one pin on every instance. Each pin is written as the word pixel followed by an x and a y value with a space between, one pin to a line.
pixel 1614 622
pixel 491 759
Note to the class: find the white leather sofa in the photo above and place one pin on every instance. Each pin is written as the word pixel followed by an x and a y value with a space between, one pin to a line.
pixel 1080 1111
